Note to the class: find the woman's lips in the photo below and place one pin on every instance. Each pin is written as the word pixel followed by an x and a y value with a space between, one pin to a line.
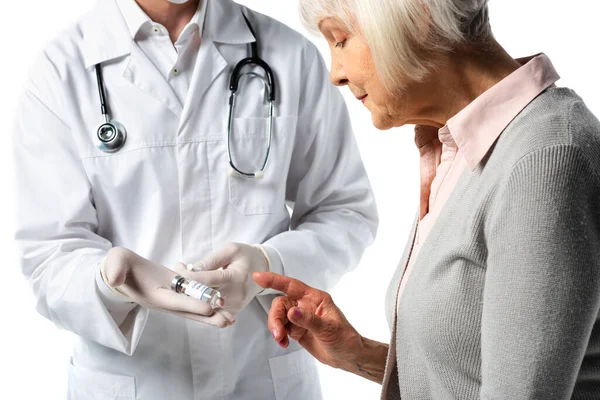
pixel 362 99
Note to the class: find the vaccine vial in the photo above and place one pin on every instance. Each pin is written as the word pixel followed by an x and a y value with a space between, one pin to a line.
pixel 197 290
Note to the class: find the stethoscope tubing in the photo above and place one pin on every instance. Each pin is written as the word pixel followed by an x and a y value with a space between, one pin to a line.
pixel 112 135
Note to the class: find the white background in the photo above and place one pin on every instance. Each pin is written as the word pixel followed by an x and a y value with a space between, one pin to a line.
pixel 34 354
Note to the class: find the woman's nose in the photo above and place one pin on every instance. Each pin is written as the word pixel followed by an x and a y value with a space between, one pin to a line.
pixel 337 75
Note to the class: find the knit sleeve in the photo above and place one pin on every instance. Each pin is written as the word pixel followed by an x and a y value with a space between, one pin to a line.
pixel 542 287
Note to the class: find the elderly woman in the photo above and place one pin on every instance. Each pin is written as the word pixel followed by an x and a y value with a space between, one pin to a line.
pixel 498 292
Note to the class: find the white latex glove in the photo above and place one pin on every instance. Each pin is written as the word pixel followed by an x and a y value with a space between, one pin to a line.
pixel 229 270
pixel 148 284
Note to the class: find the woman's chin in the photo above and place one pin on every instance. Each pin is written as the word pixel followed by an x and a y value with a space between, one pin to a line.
pixel 381 123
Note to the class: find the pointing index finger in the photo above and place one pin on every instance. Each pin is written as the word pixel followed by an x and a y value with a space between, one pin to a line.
pixel 295 289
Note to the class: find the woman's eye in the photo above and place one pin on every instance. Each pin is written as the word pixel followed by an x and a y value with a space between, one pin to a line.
pixel 340 44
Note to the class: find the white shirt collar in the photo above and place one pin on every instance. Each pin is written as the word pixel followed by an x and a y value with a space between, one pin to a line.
pixel 224 23
pixel 136 19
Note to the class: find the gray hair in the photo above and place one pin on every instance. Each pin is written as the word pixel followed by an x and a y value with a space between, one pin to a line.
pixel 404 35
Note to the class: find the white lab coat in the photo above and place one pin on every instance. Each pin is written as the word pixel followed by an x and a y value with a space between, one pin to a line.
pixel 168 196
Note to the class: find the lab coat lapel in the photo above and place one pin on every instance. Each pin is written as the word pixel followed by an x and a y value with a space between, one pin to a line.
pixel 209 65
pixel 141 73
pixel 99 43
pixel 224 24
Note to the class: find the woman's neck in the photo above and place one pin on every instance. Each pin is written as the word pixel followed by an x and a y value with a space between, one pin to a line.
pixel 462 77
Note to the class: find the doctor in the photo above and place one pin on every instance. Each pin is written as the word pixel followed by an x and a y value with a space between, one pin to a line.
pixel 100 215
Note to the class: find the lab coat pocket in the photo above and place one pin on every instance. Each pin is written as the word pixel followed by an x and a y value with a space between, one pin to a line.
pixel 295 376
pixel 248 147
pixel 88 384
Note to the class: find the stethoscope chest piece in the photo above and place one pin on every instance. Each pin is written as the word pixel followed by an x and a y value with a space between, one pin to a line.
pixel 111 137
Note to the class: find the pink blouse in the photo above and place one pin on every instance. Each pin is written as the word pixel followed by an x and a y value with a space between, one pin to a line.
pixel 467 137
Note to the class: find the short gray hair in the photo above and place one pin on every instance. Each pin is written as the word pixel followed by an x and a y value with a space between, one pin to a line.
pixel 404 35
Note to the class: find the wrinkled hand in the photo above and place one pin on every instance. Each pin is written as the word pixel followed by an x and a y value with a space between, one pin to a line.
pixel 310 317
pixel 148 284
pixel 229 271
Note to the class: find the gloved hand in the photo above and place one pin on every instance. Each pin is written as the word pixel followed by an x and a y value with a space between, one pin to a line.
pixel 148 284
pixel 229 270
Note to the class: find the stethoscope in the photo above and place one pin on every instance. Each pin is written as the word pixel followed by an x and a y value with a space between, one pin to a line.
pixel 111 135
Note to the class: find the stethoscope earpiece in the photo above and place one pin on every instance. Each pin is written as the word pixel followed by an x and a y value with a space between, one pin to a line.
pixel 256 174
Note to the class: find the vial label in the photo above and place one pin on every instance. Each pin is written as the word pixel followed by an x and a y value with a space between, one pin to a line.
pixel 197 290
